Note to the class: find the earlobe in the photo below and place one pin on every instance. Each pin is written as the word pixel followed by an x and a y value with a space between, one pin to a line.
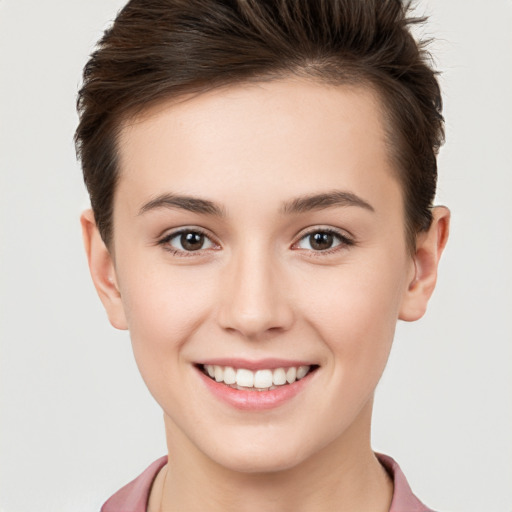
pixel 429 247
pixel 102 271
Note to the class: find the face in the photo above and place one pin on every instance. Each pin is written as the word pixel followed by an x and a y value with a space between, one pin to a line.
pixel 259 238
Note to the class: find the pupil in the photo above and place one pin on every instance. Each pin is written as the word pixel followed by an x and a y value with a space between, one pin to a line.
pixel 321 241
pixel 192 241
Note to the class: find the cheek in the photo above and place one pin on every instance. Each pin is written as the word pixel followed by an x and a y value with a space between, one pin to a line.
pixel 354 312
pixel 164 306
pixel 355 307
pixel 163 300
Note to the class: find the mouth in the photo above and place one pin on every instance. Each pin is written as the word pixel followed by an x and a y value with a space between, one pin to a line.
pixel 261 380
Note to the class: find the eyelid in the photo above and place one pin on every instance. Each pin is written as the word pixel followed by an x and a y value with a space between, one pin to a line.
pixel 163 240
pixel 346 240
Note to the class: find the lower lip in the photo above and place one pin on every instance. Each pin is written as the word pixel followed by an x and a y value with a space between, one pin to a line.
pixel 255 400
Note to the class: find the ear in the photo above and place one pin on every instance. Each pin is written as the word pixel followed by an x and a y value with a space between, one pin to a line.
pixel 429 247
pixel 102 271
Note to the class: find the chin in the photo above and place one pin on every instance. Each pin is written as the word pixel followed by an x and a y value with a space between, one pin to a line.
pixel 252 455
pixel 258 463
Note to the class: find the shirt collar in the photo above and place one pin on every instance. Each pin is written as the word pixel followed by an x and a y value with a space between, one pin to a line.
pixel 134 496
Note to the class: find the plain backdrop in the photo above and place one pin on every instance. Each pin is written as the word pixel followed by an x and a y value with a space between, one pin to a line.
pixel 77 422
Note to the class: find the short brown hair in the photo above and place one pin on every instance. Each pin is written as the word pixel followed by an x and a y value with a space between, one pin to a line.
pixel 161 49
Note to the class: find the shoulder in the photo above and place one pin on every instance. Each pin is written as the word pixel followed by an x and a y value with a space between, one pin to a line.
pixel 403 498
pixel 134 496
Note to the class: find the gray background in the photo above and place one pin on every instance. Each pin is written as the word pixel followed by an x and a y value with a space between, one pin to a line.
pixel 76 419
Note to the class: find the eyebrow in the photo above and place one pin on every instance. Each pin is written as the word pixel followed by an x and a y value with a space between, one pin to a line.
pixel 303 204
pixel 188 203
pixel 332 199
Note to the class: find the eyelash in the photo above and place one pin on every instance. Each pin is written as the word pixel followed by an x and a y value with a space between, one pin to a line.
pixel 164 242
pixel 344 242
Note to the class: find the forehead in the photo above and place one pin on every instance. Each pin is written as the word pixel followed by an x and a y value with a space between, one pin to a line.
pixel 295 134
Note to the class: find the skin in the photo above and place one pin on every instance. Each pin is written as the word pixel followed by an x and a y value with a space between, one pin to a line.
pixel 259 289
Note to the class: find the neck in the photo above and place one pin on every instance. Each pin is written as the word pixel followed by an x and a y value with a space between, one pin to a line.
pixel 344 476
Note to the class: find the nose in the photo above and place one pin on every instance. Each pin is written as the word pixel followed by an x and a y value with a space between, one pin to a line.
pixel 254 300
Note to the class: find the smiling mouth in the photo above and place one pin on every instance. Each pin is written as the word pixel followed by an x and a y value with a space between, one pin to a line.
pixel 259 380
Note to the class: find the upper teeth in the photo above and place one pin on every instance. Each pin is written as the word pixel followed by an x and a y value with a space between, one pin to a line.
pixel 260 379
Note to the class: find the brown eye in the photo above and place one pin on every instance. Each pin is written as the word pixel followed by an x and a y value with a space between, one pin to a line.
pixel 188 241
pixel 192 241
pixel 321 241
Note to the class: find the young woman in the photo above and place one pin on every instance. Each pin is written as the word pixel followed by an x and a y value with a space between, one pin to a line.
pixel 261 176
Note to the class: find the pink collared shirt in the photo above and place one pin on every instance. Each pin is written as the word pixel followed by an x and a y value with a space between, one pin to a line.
pixel 134 496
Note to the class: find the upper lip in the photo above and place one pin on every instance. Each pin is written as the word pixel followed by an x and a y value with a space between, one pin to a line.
pixel 260 364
